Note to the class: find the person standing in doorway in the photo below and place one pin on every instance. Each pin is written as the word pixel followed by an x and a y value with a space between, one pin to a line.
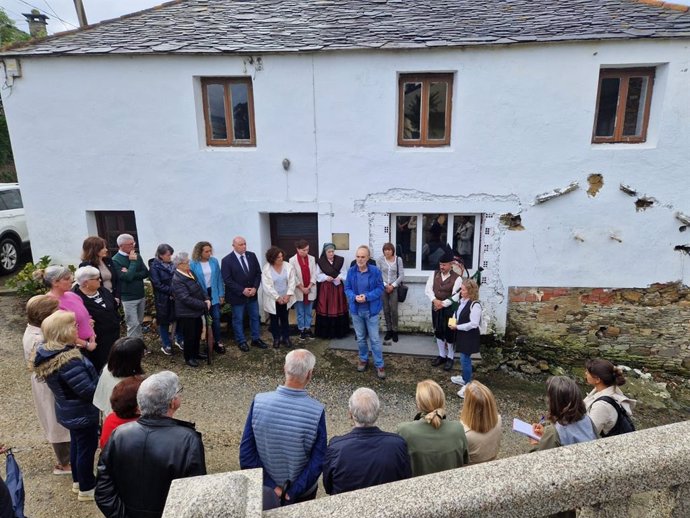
pixel 132 274
pixel 305 272
pixel 242 277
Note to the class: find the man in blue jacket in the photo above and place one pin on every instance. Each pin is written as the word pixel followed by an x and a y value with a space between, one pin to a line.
pixel 285 434
pixel 364 290
pixel 367 456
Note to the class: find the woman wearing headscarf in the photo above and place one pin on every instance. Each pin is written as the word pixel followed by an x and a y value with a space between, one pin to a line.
pixel 434 443
pixel 101 305
pixel 332 318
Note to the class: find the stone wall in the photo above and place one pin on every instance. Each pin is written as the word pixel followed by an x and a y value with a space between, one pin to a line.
pixel 603 478
pixel 643 327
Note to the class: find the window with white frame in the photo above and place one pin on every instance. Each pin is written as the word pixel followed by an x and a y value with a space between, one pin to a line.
pixel 421 239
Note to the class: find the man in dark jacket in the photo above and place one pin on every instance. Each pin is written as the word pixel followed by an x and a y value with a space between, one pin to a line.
pixel 142 458
pixel 242 277
pixel 367 456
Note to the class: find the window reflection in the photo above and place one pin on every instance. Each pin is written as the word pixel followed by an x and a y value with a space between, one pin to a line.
pixel 435 239
pixel 463 239
pixel 406 240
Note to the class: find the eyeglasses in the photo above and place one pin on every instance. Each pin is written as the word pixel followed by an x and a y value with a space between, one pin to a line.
pixel 95 279
pixel 179 391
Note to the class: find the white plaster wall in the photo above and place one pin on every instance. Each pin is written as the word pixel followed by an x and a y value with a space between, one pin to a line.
pixel 124 133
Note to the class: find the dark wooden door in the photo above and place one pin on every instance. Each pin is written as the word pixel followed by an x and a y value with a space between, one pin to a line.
pixel 286 228
pixel 112 223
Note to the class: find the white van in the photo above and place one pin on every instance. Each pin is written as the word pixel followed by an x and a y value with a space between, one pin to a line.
pixel 14 237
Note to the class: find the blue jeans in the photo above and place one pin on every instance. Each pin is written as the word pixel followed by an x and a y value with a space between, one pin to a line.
pixel 368 326
pixel 252 308
pixel 466 363
pixel 304 315
pixel 83 444
pixel 164 332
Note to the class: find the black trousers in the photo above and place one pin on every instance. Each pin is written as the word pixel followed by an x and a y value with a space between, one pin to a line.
pixel 191 331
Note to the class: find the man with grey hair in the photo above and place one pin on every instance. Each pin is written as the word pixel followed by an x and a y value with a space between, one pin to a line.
pixel 132 272
pixel 142 458
pixel 367 456
pixel 285 434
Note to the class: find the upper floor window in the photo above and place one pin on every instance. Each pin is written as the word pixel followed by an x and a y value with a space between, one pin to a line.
pixel 623 101
pixel 424 109
pixel 228 111
pixel 421 239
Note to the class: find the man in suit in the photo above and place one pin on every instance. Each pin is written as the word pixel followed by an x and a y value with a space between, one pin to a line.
pixel 242 276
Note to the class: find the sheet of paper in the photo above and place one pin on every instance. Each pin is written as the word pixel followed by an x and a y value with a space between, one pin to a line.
pixel 525 429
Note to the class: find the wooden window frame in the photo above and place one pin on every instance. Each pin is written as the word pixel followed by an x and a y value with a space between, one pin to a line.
pixel 426 80
pixel 624 74
pixel 226 82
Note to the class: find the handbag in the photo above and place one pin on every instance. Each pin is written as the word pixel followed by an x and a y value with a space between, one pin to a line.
pixel 401 289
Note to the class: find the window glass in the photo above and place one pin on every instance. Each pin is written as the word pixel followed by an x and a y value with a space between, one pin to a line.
pixel 437 110
pixel 634 106
pixel 413 110
pixel 435 239
pixel 11 199
pixel 463 239
pixel 406 240
pixel 240 111
pixel 216 110
pixel 608 103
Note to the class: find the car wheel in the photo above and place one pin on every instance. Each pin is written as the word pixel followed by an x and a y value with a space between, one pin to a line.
pixel 9 255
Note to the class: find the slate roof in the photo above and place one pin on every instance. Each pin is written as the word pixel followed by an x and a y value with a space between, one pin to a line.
pixel 257 26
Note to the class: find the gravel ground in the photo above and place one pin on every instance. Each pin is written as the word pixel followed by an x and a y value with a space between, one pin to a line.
pixel 217 398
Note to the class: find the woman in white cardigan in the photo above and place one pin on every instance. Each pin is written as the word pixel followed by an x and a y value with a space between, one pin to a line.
pixel 278 285
pixel 305 274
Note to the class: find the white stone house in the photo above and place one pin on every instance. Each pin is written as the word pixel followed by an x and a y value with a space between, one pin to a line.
pixel 352 117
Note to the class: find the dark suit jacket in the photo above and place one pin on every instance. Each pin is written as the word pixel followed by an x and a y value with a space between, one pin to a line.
pixel 236 280
pixel 364 457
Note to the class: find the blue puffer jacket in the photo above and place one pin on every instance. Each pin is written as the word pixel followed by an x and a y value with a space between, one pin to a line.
pixel 72 379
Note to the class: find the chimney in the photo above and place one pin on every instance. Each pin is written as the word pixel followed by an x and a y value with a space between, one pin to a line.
pixel 37 23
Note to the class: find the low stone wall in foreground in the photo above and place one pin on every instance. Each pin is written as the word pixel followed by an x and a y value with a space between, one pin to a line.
pixel 600 477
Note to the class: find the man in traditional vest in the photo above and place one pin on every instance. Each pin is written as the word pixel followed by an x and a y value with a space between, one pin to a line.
pixel 441 286
pixel 285 434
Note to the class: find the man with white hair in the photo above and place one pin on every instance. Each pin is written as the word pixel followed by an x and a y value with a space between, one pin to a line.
pixel 132 273
pixel 285 434
pixel 367 456
pixel 143 457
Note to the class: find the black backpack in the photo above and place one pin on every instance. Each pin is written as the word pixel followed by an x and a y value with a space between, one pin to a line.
pixel 624 423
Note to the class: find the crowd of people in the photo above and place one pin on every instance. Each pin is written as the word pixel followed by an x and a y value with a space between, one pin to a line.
pixel 90 389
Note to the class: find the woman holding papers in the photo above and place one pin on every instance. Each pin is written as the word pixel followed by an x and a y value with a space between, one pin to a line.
pixel 433 443
pixel 482 423
pixel 567 414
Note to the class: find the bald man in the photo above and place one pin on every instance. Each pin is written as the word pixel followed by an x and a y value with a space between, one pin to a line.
pixel 242 276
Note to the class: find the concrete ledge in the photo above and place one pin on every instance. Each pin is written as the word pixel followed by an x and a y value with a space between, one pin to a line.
pixel 534 484
pixel 235 494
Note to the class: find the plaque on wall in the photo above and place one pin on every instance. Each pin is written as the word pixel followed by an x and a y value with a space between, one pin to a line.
pixel 341 240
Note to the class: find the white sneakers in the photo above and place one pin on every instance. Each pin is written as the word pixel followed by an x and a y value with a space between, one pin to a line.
pixel 75 487
pixel 457 380
pixel 86 496
pixel 461 392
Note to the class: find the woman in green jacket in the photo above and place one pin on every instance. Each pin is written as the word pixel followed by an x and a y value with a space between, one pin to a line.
pixel 433 443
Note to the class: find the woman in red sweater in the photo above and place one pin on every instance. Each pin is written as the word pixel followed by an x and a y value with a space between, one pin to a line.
pixel 124 403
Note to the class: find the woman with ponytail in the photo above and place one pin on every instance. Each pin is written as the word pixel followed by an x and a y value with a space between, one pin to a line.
pixel 606 378
pixel 433 443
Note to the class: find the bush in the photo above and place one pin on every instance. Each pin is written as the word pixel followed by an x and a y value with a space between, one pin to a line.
pixel 29 282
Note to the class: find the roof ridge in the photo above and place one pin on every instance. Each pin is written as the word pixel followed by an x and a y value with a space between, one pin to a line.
pixel 26 43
